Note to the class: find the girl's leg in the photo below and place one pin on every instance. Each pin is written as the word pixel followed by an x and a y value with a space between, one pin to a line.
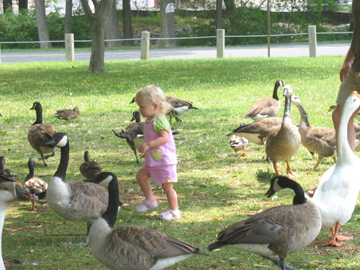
pixel 143 177
pixel 171 195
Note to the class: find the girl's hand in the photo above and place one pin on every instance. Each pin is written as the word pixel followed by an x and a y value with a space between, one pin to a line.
pixel 143 148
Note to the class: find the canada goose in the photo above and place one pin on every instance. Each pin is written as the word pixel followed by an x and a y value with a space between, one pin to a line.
pixel 178 107
pixel 89 168
pixel 280 230
pixel 132 247
pixel 40 133
pixel 10 192
pixel 134 134
pixel 6 174
pixel 67 114
pixel 35 185
pixel 332 107
pixel 320 140
pixel 339 187
pixel 74 200
pixel 238 143
pixel 283 143
pixel 266 107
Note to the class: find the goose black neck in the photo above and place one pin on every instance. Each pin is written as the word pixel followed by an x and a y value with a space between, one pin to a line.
pixel 137 118
pixel 303 114
pixel 86 156
pixel 31 171
pixel 299 197
pixel 110 214
pixel 275 96
pixel 64 161
pixel 2 163
pixel 39 119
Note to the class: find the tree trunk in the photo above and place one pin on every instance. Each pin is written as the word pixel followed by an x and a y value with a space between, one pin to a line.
pixel 112 28
pixel 167 27
pixel 6 5
pixel 43 29
pixel 23 5
pixel 230 10
pixel 97 23
pixel 127 27
pixel 68 16
pixel 219 24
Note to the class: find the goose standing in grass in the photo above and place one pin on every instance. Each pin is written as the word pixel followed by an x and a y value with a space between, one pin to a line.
pixel 238 143
pixel 134 133
pixel 282 144
pixel 74 200
pixel 266 107
pixel 132 247
pixel 319 140
pixel 40 133
pixel 35 185
pixel 67 114
pixel 280 230
pixel 339 187
pixel 89 168
pixel 10 192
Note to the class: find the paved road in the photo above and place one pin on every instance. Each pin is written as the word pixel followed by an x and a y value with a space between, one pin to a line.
pixel 181 53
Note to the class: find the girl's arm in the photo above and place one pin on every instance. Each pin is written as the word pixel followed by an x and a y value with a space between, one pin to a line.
pixel 161 140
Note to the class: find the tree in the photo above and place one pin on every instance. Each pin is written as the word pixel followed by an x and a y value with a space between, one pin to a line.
pixel 127 27
pixel 7 5
pixel 43 29
pixel 112 30
pixel 23 5
pixel 97 23
pixel 167 27
pixel 68 16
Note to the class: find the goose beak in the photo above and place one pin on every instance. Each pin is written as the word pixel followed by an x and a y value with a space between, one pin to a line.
pixel 269 193
pixel 21 194
pixel 356 94
pixel 52 142
pixel 91 180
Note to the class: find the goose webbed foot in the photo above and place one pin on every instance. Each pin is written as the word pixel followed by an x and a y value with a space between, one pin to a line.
pixel 279 263
pixel 268 160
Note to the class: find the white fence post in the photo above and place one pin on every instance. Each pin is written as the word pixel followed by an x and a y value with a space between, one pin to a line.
pixel 69 47
pixel 220 42
pixel 145 44
pixel 312 40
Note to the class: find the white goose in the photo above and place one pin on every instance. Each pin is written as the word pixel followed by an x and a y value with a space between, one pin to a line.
pixel 132 247
pixel 10 192
pixel 339 187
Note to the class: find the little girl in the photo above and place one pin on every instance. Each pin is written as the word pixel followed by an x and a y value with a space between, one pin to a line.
pixel 159 150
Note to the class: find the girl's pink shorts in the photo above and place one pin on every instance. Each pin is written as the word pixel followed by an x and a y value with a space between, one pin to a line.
pixel 163 174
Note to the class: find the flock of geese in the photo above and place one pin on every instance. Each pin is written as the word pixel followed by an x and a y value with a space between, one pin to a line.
pixel 278 231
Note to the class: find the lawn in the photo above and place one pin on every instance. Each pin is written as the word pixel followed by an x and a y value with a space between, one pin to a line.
pixel 216 188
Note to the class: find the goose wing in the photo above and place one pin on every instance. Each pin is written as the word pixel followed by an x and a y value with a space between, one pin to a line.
pixel 264 106
pixel 134 129
pixel 41 132
pixel 157 244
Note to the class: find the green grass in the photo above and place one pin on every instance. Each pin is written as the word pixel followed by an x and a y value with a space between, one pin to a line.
pixel 215 189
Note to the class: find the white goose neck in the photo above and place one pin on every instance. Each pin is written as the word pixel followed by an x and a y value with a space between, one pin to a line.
pixel 2 218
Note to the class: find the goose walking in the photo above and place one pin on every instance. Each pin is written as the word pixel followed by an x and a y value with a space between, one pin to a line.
pixel 339 187
pixel 134 133
pixel 10 192
pixel 40 133
pixel 280 230
pixel 319 140
pixel 132 247
pixel 283 143
pixel 266 107
pixel 72 199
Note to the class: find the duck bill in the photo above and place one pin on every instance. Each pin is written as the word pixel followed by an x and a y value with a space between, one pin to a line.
pixel 21 194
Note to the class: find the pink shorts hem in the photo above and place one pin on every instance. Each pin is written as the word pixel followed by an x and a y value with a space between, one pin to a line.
pixel 163 174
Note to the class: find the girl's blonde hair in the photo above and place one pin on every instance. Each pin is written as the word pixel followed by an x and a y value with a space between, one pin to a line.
pixel 156 95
